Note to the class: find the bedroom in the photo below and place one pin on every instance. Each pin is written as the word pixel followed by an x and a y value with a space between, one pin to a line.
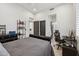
pixel 40 20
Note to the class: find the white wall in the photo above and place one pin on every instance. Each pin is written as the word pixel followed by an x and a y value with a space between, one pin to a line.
pixel 44 16
pixel 32 28
pixel 10 13
pixel 65 19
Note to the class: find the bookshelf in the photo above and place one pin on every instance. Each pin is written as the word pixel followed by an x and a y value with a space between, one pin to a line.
pixel 21 29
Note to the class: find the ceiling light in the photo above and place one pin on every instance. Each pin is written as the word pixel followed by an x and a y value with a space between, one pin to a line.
pixel 34 9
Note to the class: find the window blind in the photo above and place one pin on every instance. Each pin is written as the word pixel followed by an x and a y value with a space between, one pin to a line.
pixel 77 19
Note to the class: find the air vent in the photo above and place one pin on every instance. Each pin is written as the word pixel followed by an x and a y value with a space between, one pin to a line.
pixel 51 9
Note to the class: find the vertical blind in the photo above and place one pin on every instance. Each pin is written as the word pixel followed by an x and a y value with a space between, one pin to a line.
pixel 77 19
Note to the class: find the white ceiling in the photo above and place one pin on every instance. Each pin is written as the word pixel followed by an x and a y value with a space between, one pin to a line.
pixel 38 7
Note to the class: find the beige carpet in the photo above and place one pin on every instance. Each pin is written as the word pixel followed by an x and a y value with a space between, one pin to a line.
pixel 56 52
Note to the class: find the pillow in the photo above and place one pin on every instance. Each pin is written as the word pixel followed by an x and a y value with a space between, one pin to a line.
pixel 3 51
pixel 12 34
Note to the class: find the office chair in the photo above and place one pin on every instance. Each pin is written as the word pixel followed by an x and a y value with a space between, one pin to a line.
pixel 58 39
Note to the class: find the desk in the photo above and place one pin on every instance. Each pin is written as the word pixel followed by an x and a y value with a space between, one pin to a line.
pixel 69 48
pixel 69 51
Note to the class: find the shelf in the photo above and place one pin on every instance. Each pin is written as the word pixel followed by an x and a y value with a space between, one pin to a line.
pixel 21 28
pixel 2 29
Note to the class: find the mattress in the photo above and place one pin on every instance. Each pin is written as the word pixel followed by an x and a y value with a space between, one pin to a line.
pixel 28 47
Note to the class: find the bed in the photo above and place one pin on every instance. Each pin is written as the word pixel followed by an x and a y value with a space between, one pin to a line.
pixel 28 47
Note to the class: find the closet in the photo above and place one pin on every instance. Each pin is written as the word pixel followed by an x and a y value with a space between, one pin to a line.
pixel 39 28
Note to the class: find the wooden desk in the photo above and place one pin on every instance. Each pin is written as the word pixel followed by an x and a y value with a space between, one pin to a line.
pixel 70 50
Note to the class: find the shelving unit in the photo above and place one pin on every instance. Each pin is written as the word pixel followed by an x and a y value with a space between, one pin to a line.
pixel 2 29
pixel 21 29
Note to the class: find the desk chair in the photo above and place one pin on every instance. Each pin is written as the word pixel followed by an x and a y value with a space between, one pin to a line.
pixel 58 39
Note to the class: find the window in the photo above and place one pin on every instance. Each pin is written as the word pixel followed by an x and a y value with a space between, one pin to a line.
pixel 77 19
